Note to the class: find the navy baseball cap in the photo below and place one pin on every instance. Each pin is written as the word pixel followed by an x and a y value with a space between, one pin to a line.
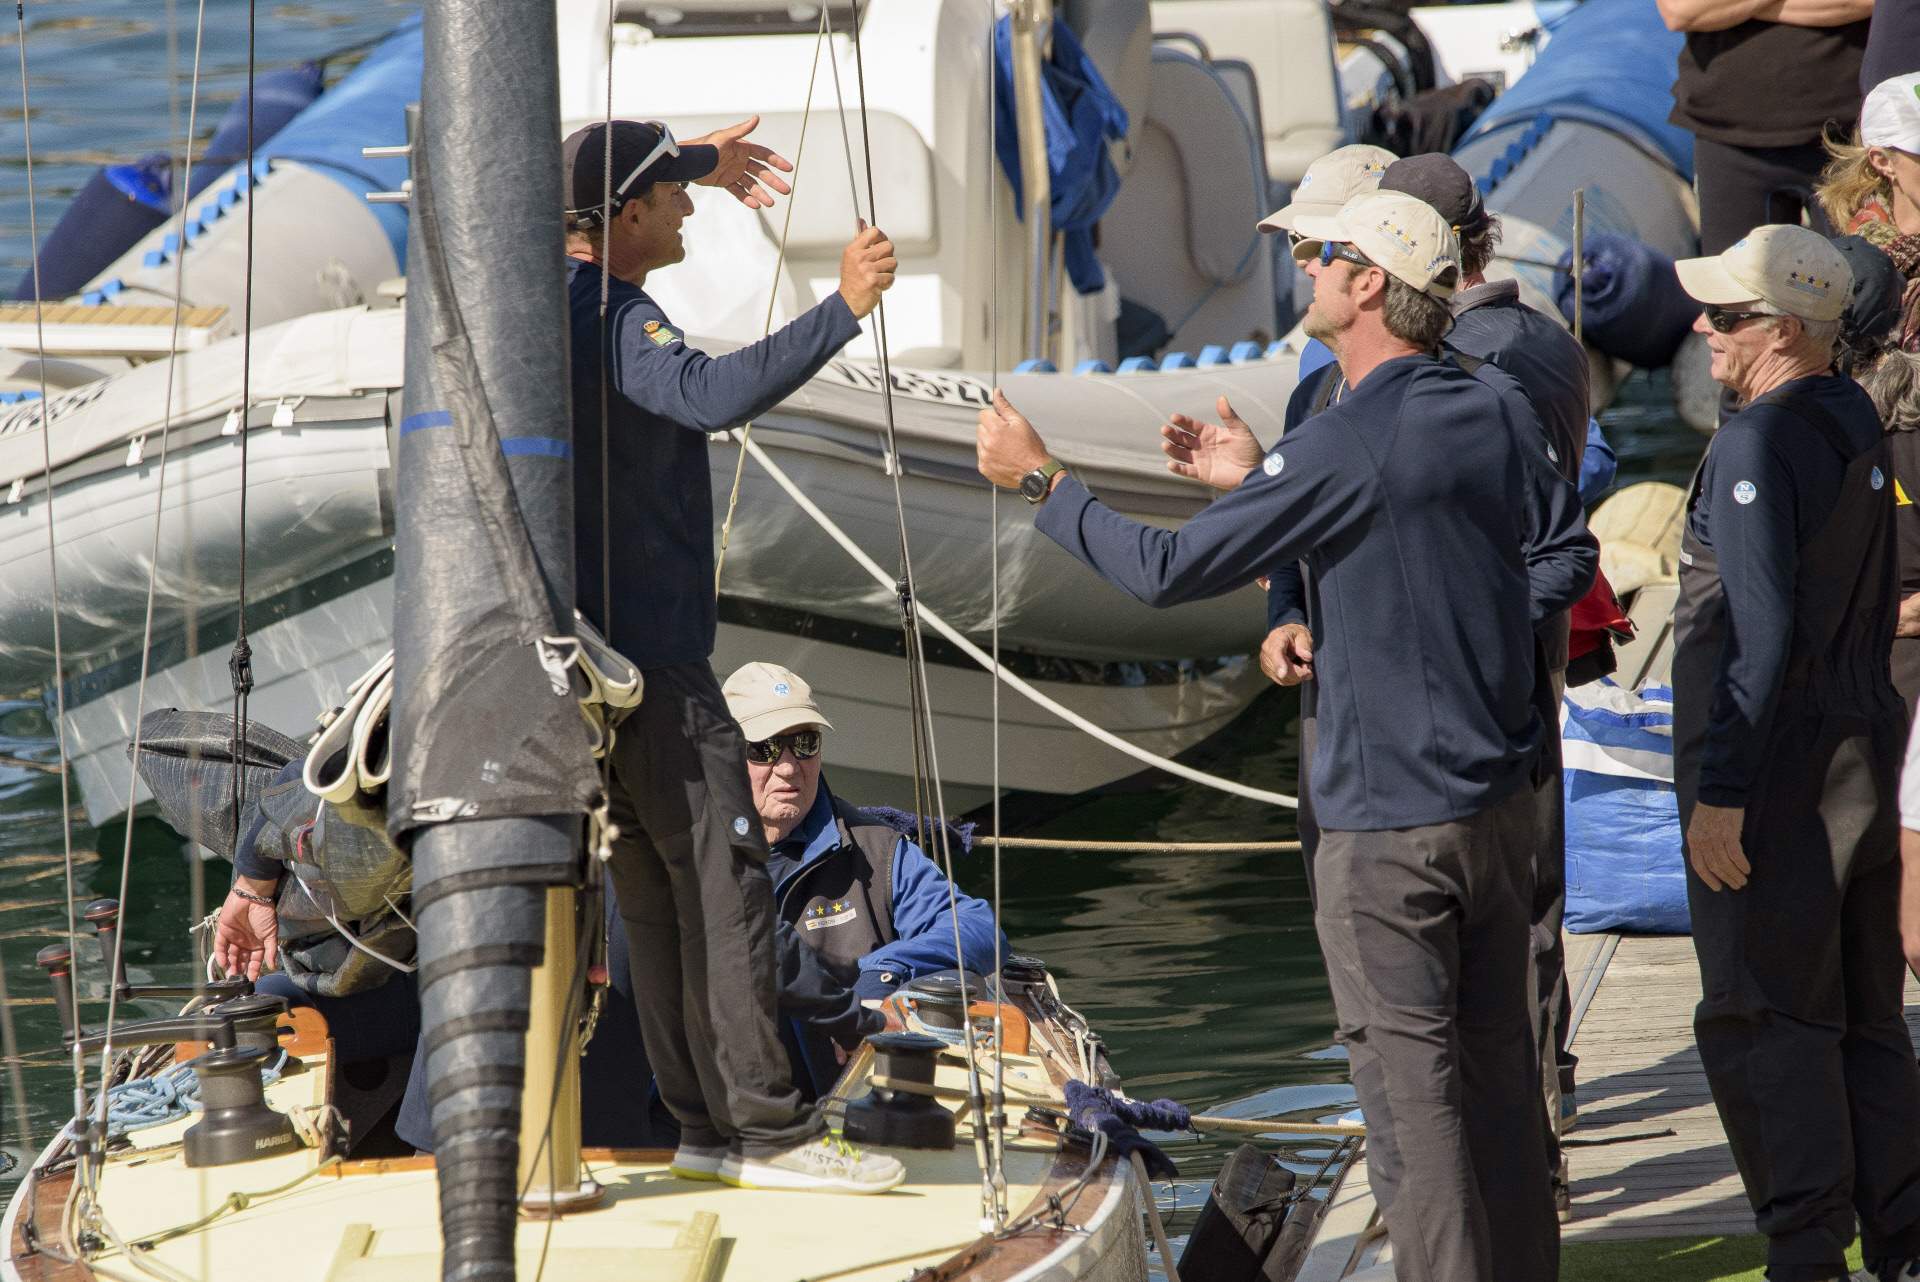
pixel 1438 180
pixel 644 151
pixel 1872 318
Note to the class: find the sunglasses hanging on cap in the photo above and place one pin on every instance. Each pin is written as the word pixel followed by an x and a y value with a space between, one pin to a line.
pixel 665 147
pixel 804 744
pixel 1724 320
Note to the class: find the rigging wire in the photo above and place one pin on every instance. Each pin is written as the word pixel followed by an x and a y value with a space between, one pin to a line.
pixel 773 294
pixel 920 700
pixel 115 962
pixel 240 659
pixel 53 559
pixel 991 188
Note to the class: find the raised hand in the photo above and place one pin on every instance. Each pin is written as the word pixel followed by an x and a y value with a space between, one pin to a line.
pixel 747 169
pixel 1286 656
pixel 867 266
pixel 246 937
pixel 1218 454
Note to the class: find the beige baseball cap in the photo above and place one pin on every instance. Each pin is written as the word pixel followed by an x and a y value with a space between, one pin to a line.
pixel 767 699
pixel 1890 115
pixel 1791 268
pixel 1405 237
pixel 1331 182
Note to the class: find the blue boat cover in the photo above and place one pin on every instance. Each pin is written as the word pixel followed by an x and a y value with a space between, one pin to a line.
pixel 279 96
pixel 366 109
pixel 1625 867
pixel 1081 116
pixel 1631 301
pixel 1609 63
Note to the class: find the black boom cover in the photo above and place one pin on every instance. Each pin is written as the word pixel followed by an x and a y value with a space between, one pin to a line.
pixel 1241 1221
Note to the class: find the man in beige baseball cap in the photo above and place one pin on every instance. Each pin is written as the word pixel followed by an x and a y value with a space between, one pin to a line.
pixel 1787 739
pixel 1776 271
pixel 1331 182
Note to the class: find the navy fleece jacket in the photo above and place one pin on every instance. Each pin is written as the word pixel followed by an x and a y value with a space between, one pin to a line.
pixel 1402 502
pixel 1768 484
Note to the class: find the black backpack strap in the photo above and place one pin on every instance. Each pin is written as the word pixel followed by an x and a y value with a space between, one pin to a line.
pixel 1807 409
pixel 1323 394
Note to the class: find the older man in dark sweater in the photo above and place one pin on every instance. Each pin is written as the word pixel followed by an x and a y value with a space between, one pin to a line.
pixel 1408 500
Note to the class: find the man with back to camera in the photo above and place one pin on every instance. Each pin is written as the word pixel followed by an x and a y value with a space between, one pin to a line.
pixel 690 864
pixel 1400 498
pixel 1788 736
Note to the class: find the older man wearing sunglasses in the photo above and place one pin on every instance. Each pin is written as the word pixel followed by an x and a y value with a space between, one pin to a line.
pixel 854 889
pixel 1788 736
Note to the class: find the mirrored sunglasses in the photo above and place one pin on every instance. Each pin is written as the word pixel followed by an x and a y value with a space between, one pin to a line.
pixel 1332 249
pixel 805 745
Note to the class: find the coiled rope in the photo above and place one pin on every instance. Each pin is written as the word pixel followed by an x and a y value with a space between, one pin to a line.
pixel 164 1097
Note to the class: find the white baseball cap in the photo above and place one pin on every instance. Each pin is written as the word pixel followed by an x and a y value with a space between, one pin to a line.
pixel 1405 237
pixel 1890 116
pixel 767 699
pixel 1331 182
pixel 1790 268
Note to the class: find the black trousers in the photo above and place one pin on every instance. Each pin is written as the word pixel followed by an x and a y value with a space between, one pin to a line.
pixel 689 871
pixel 1800 1024
pixel 1741 188
pixel 1425 932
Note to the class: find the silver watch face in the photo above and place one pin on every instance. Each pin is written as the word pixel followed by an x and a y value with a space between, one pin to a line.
pixel 1033 486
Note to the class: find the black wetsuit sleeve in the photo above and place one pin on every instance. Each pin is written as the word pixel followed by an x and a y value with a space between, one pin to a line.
pixel 1314 485
pixel 1752 526
pixel 659 373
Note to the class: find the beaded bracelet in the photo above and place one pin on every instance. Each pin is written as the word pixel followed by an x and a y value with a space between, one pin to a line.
pixel 252 898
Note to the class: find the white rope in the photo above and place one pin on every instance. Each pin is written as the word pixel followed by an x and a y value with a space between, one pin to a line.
pixel 991 187
pixel 153 558
pixel 53 559
pixel 986 661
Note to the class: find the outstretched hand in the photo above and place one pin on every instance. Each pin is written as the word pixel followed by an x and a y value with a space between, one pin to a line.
pixel 1217 454
pixel 246 937
pixel 1006 444
pixel 747 169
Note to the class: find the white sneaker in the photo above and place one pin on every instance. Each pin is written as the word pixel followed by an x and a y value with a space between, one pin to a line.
pixel 826 1165
pixel 694 1163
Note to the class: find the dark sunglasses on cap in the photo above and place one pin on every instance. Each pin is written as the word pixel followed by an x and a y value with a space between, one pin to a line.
pixel 805 745
pixel 1724 320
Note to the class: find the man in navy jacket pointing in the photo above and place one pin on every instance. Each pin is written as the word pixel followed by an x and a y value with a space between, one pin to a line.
pixel 1409 500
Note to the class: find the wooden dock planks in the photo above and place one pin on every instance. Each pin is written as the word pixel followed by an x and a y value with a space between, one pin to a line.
pixel 1639 1076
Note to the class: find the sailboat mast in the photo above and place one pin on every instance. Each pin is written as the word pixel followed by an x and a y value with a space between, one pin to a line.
pixel 492 771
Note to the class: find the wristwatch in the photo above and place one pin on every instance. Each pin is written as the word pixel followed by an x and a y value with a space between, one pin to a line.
pixel 1037 484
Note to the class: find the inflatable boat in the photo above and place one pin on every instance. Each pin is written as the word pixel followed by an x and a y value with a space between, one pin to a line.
pixel 1212 144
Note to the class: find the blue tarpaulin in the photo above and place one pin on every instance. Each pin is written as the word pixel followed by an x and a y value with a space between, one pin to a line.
pixel 1625 867
pixel 1081 116
pixel 1610 63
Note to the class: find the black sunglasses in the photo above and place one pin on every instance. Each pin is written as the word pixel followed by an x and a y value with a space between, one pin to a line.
pixel 1723 320
pixel 804 743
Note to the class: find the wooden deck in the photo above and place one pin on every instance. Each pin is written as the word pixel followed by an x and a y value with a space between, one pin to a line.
pixel 1649 1158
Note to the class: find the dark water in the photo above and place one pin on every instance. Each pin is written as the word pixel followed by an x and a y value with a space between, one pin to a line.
pixel 1201 971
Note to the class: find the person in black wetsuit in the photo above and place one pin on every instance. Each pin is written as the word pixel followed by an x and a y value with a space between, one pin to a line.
pixel 1410 499
pixel 689 867
pixel 1788 737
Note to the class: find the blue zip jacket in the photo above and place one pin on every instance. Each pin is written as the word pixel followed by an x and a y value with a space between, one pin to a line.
pixel 1410 501
pixel 922 923
pixel 663 399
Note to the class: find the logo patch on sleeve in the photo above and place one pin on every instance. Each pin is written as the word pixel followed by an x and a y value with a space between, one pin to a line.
pixel 1273 465
pixel 659 333
pixel 1877 479
pixel 1745 492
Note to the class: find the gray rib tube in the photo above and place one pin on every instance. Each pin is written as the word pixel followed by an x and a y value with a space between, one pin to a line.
pixel 487 790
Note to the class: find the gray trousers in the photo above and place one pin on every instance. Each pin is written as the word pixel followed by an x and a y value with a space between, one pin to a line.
pixel 690 873
pixel 1426 936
